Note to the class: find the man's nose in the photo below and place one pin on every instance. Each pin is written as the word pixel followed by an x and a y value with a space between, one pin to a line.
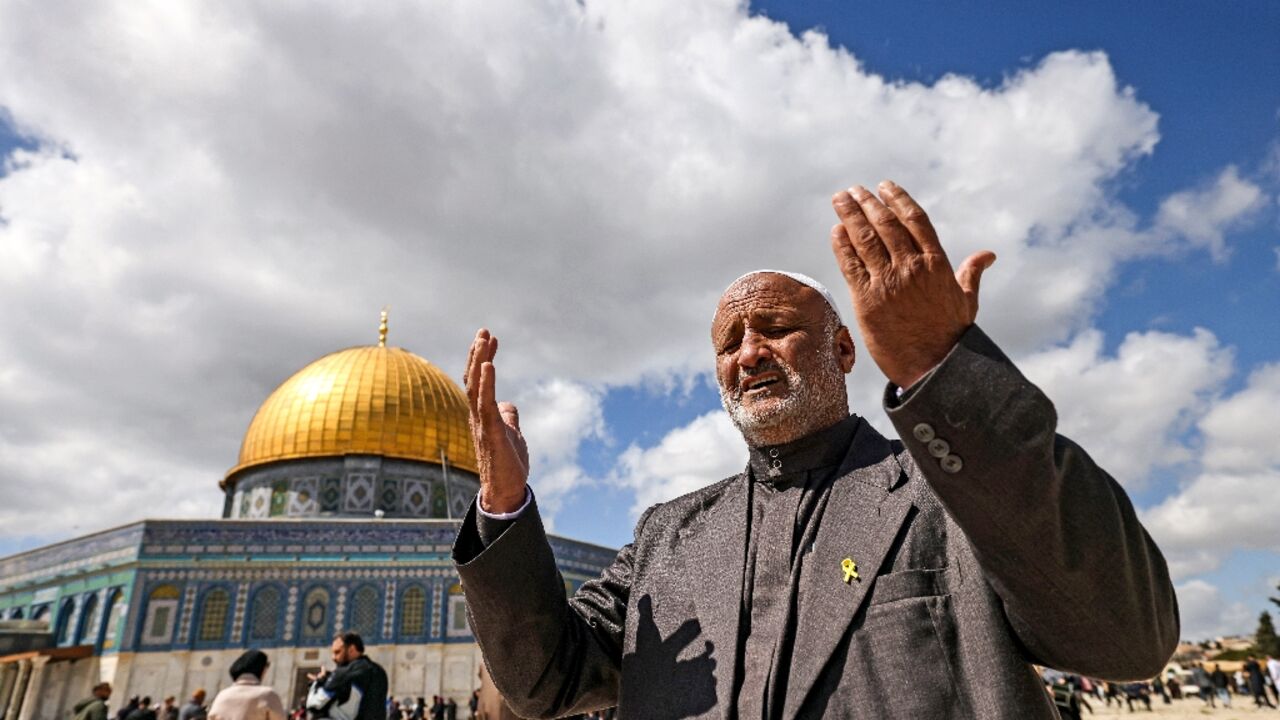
pixel 753 349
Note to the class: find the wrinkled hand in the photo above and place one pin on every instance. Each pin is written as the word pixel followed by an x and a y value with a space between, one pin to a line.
pixel 501 452
pixel 910 307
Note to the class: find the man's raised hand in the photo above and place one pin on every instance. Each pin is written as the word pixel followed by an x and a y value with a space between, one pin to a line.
pixel 501 453
pixel 911 308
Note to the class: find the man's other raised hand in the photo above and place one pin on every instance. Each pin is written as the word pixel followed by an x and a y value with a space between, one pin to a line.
pixel 501 452
pixel 911 307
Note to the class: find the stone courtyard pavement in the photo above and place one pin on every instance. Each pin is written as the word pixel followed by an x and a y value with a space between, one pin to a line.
pixel 1241 707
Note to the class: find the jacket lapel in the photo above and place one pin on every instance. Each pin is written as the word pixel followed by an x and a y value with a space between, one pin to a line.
pixel 717 548
pixel 862 517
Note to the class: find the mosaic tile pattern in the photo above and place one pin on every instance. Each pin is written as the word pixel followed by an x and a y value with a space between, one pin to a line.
pixel 359 494
pixel 304 496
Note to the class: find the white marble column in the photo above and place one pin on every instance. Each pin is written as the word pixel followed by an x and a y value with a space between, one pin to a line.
pixel 35 687
pixel 8 676
pixel 19 692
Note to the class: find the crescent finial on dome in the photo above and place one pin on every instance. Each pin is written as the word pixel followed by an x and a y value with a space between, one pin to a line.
pixel 382 327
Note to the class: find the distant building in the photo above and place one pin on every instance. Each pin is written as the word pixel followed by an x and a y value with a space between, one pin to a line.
pixel 1235 642
pixel 1187 652
pixel 339 515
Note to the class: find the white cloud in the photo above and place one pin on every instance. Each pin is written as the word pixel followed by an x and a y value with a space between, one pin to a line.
pixel 1230 503
pixel 1203 215
pixel 556 417
pixel 705 451
pixel 1240 433
pixel 227 191
pixel 1129 411
pixel 1205 615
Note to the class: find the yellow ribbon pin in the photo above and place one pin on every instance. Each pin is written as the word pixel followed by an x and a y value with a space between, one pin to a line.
pixel 850 570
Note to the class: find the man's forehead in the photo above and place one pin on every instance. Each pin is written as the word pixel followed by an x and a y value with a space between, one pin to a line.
pixel 767 293
pixel 777 288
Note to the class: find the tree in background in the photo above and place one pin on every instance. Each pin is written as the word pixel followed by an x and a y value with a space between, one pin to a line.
pixel 1265 640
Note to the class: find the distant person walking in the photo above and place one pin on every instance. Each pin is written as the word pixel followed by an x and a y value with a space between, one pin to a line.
pixel 1065 699
pixel 143 711
pixel 1137 691
pixel 129 707
pixel 194 708
pixel 1257 686
pixel 93 707
pixel 248 698
pixel 1220 685
pixel 1158 686
pixel 1272 676
pixel 1204 683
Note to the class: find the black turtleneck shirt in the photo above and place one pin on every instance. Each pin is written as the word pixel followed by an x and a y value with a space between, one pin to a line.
pixel 789 486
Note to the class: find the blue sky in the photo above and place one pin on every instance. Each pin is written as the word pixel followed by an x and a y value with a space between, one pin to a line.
pixel 243 188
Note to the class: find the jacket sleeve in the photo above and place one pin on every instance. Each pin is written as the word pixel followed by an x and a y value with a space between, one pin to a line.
pixel 1083 585
pixel 547 654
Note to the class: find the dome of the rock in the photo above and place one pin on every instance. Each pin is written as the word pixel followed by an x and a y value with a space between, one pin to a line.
pixel 369 400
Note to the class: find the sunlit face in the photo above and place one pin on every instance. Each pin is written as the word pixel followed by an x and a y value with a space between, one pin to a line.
pixel 780 363
pixel 338 650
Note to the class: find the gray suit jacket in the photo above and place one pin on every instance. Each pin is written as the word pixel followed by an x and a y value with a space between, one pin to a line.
pixel 1025 553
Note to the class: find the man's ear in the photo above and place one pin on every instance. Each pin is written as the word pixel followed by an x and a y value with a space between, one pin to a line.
pixel 845 352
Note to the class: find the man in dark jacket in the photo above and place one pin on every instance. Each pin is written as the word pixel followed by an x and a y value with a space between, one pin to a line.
pixel 355 690
pixel 93 707
pixel 839 574
pixel 194 709
pixel 143 711
pixel 1253 672
pixel 128 707
pixel 1220 685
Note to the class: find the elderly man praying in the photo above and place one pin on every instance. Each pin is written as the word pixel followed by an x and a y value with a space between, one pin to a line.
pixel 840 574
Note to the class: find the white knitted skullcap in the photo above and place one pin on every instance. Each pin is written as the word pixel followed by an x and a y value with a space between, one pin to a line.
pixel 803 280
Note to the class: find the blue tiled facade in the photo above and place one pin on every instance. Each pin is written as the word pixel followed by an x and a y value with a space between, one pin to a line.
pixel 166 585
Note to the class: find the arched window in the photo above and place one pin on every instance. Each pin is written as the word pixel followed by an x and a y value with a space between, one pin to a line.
pixel 65 629
pixel 162 611
pixel 15 614
pixel 264 617
pixel 457 626
pixel 40 613
pixel 413 611
pixel 364 612
pixel 213 616
pixel 115 616
pixel 87 633
pixel 315 614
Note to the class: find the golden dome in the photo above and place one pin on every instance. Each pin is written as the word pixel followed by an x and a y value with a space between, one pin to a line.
pixel 370 400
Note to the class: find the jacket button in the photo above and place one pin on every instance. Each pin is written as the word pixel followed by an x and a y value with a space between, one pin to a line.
pixel 923 432
pixel 939 448
pixel 952 464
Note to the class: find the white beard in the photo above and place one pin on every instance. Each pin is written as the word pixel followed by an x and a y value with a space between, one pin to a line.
pixel 807 402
